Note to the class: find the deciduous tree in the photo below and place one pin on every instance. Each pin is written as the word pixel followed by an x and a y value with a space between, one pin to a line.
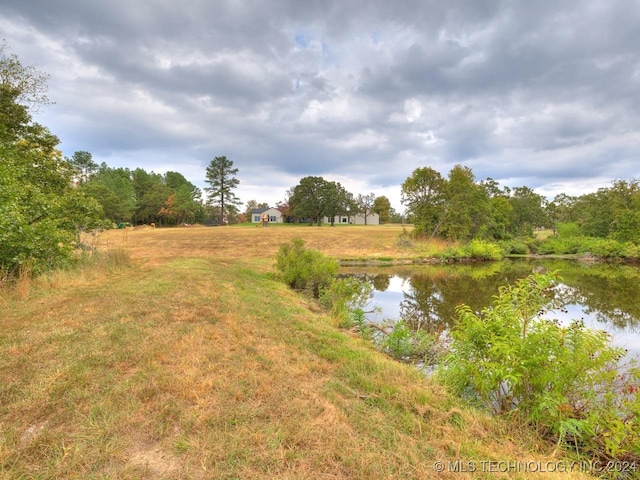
pixel 382 206
pixel 338 201
pixel 364 204
pixel 308 199
pixel 528 210
pixel 41 214
pixel 424 193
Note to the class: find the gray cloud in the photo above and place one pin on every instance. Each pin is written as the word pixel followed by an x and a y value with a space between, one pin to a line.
pixel 541 94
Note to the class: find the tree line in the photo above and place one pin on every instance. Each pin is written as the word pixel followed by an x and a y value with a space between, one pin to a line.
pixel 458 207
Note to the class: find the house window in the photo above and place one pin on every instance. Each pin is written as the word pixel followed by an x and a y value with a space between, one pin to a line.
pixel 272 218
pixel 256 218
pixel 344 220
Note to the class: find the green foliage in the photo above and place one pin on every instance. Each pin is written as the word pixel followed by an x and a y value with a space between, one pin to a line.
pixel 609 248
pixel 527 211
pixel 424 193
pixel 516 246
pixel 567 230
pixel 565 380
pixel 305 269
pixel 561 246
pixel 459 208
pixel 605 248
pixel 474 250
pixel 41 214
pixel 382 206
pixel 314 198
pixel 344 295
pixel 466 208
pixel 409 345
pixel 482 250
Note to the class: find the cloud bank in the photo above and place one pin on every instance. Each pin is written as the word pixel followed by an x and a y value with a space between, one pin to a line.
pixel 542 94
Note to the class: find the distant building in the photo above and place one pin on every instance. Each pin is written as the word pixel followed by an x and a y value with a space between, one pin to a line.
pixel 273 214
pixel 357 219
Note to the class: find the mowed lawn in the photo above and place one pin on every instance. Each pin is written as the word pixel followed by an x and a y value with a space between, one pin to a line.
pixel 192 361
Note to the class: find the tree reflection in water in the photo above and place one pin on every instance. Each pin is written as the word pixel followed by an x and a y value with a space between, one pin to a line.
pixel 605 295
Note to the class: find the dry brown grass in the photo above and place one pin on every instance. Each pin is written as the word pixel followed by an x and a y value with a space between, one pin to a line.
pixel 227 243
pixel 196 363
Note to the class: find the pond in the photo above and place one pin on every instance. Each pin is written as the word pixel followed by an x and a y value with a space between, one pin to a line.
pixel 605 296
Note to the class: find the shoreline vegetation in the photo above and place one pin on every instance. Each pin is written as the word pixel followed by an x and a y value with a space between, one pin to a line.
pixel 179 353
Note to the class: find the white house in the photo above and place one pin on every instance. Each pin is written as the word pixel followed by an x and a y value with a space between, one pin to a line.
pixel 273 214
pixel 357 219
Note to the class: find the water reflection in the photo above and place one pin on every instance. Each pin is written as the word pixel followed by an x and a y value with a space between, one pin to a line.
pixel 605 296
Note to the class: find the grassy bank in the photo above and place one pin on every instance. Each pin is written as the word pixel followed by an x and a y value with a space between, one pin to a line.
pixel 194 362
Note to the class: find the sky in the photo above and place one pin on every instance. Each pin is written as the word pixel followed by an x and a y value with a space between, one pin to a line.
pixel 543 94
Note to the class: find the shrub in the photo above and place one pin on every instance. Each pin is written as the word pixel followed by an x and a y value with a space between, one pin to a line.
pixel 568 229
pixel 482 250
pixel 343 297
pixel 474 250
pixel 305 269
pixel 515 246
pixel 408 345
pixel 405 239
pixel 566 380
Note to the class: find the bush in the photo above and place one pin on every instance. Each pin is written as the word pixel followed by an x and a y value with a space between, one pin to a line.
pixel 606 248
pixel 345 298
pixel 304 269
pixel 403 343
pixel 482 250
pixel 566 380
pixel 474 250
pixel 566 230
pixel 515 246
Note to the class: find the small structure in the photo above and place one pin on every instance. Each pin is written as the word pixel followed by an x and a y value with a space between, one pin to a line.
pixel 270 215
pixel 357 219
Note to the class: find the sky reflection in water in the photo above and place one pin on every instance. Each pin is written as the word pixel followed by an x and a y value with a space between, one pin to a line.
pixel 603 296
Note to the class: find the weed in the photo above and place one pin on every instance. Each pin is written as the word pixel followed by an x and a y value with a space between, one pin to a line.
pixel 564 379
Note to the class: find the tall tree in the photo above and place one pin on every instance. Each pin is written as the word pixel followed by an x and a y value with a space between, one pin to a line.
pixel 468 210
pixel 624 198
pixel 308 199
pixel 40 213
pixel 84 165
pixel 151 192
pixel 423 193
pixel 499 210
pixel 528 210
pixel 113 189
pixel 364 204
pixel 382 206
pixel 187 201
pixel 220 177
pixel 337 201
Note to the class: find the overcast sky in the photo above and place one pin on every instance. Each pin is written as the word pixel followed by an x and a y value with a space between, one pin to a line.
pixel 538 93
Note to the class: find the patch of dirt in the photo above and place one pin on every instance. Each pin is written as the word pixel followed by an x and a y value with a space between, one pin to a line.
pixel 155 459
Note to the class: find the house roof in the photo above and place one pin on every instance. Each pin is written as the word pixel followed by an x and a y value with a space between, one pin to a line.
pixel 259 210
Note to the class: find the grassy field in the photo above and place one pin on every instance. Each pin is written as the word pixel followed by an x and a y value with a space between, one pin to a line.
pixel 192 361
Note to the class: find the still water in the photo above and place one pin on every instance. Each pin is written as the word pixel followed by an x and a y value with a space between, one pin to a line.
pixel 605 297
